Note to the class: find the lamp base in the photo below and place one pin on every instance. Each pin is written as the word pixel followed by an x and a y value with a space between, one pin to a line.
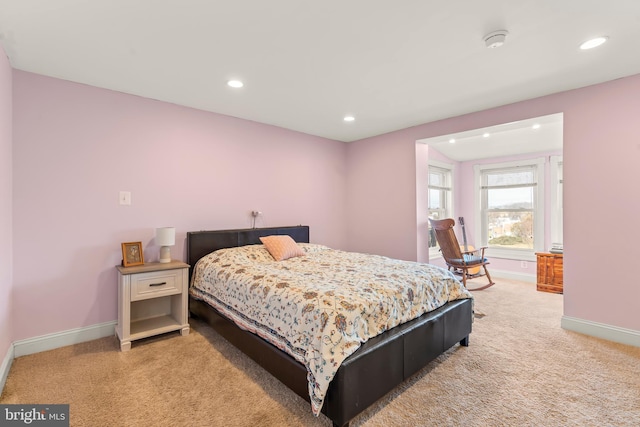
pixel 165 254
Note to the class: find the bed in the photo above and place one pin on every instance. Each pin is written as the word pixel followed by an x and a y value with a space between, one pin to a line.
pixel 393 355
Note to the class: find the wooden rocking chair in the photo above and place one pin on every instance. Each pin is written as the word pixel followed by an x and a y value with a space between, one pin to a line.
pixel 457 258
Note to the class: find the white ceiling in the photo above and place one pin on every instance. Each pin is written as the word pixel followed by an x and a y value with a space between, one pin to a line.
pixel 534 135
pixel 307 64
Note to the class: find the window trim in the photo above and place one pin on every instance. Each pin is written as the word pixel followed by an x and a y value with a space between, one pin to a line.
pixel 434 253
pixel 557 211
pixel 538 237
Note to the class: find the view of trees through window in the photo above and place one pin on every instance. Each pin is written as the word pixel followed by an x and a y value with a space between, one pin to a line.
pixel 514 230
pixel 510 203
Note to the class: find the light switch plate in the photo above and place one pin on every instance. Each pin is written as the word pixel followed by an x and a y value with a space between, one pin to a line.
pixel 125 198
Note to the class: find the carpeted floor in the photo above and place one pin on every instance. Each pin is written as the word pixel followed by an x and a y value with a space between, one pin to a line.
pixel 521 369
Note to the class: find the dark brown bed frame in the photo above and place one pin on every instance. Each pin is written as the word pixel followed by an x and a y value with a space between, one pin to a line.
pixel 376 368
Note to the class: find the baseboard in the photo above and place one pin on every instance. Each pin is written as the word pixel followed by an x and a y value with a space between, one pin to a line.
pixel 5 367
pixel 63 339
pixel 522 277
pixel 601 330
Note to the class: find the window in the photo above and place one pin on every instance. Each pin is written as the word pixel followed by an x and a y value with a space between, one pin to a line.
pixel 440 198
pixel 511 208
pixel 557 210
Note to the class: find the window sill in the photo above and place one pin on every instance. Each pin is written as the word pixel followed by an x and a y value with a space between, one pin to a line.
pixel 497 253
pixel 514 254
pixel 435 255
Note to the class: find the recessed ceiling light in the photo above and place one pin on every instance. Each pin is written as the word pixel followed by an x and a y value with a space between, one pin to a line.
pixel 349 118
pixel 452 141
pixel 590 44
pixel 486 135
pixel 235 83
pixel 536 126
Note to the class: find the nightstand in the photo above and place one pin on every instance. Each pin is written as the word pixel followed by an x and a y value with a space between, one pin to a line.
pixel 152 300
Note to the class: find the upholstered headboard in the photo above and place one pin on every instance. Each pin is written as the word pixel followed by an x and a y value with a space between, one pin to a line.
pixel 201 243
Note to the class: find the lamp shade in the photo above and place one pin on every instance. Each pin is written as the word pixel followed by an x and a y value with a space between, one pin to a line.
pixel 166 236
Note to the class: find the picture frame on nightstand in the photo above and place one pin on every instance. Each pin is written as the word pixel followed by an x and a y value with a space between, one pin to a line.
pixel 132 254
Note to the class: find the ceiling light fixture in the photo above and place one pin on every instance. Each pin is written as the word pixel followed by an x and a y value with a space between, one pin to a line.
pixel 590 44
pixel 452 141
pixel 495 39
pixel 235 83
pixel 349 118
pixel 536 126
pixel 486 135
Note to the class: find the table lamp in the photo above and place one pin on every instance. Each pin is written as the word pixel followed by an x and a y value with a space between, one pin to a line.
pixel 165 238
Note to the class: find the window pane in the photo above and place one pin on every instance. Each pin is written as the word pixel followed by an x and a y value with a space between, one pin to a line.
pixel 436 179
pixel 435 201
pixel 432 233
pixel 510 229
pixel 439 197
pixel 433 243
pixel 510 198
pixel 511 209
pixel 560 206
pixel 560 171
pixel 434 214
pixel 511 177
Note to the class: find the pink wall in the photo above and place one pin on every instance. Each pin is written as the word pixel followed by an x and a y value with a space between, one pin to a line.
pixel 6 200
pixel 381 188
pixel 601 153
pixel 422 199
pixel 76 147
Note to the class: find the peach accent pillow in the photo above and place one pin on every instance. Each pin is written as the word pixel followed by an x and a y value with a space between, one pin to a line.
pixel 282 247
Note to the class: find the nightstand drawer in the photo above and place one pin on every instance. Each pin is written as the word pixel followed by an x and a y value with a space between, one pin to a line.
pixel 155 284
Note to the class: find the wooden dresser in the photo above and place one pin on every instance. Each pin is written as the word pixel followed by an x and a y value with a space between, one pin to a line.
pixel 549 272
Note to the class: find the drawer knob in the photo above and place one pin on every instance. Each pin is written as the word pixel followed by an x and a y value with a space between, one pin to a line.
pixel 158 284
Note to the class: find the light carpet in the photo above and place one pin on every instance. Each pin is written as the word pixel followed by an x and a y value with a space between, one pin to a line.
pixel 521 369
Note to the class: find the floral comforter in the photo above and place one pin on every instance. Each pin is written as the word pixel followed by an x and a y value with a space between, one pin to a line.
pixel 320 307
